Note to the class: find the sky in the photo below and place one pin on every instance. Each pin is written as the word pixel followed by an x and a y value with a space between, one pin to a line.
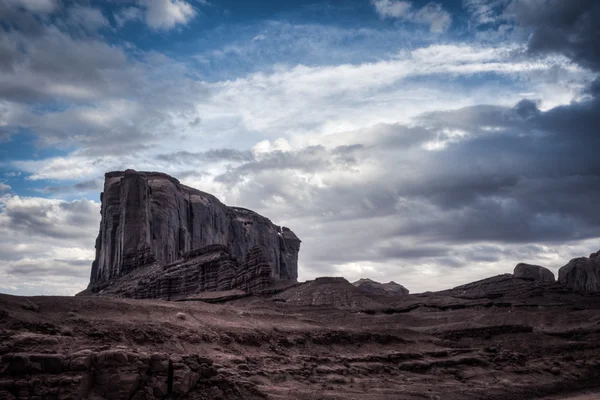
pixel 428 143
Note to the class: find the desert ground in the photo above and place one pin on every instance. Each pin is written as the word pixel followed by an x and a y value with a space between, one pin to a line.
pixel 501 339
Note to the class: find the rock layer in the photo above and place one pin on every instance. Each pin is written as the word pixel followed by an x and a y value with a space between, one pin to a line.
pixel 535 272
pixel 582 273
pixel 211 268
pixel 110 374
pixel 150 217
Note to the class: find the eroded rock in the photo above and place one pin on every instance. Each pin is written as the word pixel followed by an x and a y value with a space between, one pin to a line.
pixel 110 374
pixel 582 273
pixel 150 218
pixel 535 272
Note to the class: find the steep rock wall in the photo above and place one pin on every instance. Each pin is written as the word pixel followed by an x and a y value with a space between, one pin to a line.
pixel 151 217
pixel 582 273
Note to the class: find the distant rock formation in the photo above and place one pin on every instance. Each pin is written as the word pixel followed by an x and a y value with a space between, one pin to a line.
pixel 330 291
pixel 582 273
pixel 495 287
pixel 534 272
pixel 150 218
pixel 388 289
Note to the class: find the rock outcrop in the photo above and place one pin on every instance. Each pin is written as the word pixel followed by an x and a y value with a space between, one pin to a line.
pixel 387 289
pixel 582 273
pixel 110 374
pixel 149 218
pixel 327 291
pixel 210 269
pixel 535 272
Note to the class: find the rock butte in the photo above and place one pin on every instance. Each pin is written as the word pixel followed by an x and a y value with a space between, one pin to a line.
pixel 534 272
pixel 161 239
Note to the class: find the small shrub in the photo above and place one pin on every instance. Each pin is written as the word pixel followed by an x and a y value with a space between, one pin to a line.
pixel 181 315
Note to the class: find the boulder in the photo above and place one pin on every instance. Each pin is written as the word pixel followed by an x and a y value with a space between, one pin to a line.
pixel 582 273
pixel 535 272
pixel 388 289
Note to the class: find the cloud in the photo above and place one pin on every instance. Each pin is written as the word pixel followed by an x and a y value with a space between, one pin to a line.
pixel 45 246
pixel 4 187
pixel 485 11
pixel 430 165
pixel 392 8
pixel 128 14
pixel 93 186
pixel 35 6
pixel 55 67
pixel 89 19
pixel 567 28
pixel 431 14
pixel 166 14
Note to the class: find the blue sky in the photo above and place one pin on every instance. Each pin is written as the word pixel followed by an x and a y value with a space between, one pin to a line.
pixel 424 142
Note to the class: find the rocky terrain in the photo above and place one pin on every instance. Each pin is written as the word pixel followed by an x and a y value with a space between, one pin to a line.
pixel 501 338
pixel 157 240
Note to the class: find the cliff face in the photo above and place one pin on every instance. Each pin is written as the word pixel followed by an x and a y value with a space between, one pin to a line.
pixel 150 217
pixel 208 269
pixel 582 273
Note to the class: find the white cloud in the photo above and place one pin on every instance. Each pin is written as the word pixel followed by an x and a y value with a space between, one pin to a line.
pixel 4 187
pixel 300 105
pixel 127 14
pixel 89 19
pixel 45 247
pixel 166 14
pixel 431 14
pixel 485 11
pixel 36 6
pixel 392 8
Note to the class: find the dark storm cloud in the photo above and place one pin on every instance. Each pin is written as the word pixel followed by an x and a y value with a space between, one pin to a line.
pixel 558 26
pixel 553 172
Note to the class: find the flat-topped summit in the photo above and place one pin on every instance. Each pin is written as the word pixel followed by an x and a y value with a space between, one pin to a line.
pixel 151 218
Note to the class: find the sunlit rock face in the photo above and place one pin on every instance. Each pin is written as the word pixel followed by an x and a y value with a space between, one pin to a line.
pixel 535 272
pixel 150 217
pixel 582 273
